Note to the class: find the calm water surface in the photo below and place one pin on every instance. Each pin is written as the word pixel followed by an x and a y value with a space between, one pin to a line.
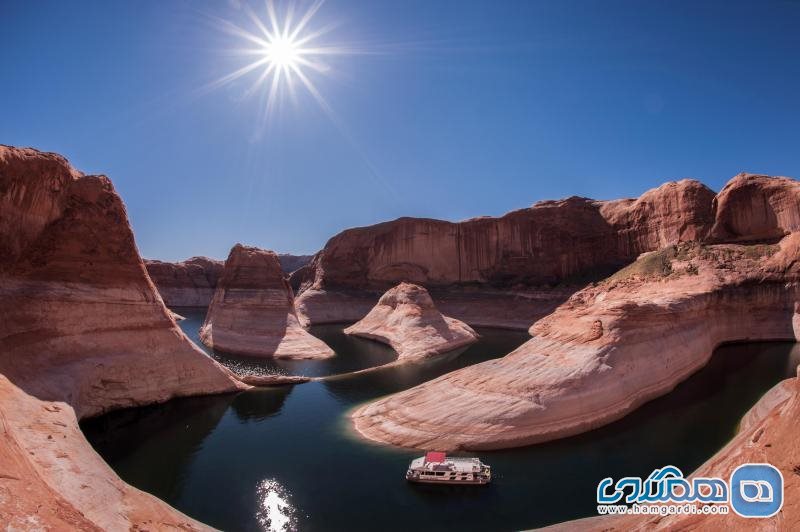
pixel 284 459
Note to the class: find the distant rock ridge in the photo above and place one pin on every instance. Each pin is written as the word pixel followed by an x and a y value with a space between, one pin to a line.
pixel 406 319
pixel 252 312
pixel 192 282
pixel 189 283
pixel 83 332
pixel 545 244
pixel 291 263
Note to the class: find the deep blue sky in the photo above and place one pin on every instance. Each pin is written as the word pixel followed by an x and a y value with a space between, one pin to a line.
pixel 456 109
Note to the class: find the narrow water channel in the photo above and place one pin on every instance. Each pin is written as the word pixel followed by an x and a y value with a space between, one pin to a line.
pixel 285 459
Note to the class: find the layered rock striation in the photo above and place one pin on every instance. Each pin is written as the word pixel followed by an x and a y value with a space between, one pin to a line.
pixel 252 312
pixel 562 242
pixel 406 319
pixel 607 350
pixel 753 207
pixel 190 283
pixel 84 331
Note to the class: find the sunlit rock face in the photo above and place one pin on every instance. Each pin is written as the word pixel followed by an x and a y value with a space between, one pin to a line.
pixel 252 312
pixel 604 352
pixel 757 207
pixel 552 243
pixel 190 283
pixel 617 343
pixel 84 331
pixel 406 319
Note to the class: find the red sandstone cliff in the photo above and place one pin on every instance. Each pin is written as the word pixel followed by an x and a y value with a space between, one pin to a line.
pixel 252 312
pixel 756 207
pixel 615 345
pixel 83 331
pixel 547 243
pixel 190 283
pixel 553 242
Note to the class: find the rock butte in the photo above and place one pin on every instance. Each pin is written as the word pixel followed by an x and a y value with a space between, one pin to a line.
pixel 190 283
pixel 252 312
pixel 498 271
pixel 84 332
pixel 613 346
pixel 406 319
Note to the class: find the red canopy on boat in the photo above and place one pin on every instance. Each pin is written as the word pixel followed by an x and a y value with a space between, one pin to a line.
pixel 435 457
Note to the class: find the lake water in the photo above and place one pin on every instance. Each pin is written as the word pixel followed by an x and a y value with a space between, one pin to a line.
pixel 285 459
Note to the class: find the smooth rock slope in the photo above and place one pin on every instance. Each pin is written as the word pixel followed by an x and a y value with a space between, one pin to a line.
pixel 252 312
pixel 606 351
pixel 83 332
pixel 615 345
pixel 406 319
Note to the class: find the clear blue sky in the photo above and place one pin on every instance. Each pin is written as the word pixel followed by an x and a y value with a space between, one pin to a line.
pixel 454 109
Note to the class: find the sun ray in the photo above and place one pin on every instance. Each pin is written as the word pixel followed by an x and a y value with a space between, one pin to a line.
pixel 282 52
pixel 306 17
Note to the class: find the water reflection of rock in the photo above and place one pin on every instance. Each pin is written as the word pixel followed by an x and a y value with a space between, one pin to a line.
pixel 134 432
pixel 362 386
pixel 259 404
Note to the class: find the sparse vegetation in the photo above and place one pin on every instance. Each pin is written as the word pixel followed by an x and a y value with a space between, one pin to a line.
pixel 692 269
pixel 653 264
pixel 757 251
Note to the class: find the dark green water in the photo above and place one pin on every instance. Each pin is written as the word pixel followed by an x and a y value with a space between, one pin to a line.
pixel 285 458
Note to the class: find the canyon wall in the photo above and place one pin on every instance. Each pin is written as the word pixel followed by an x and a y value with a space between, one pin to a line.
pixel 252 312
pixel 621 342
pixel 84 331
pixel 545 244
pixel 190 283
pixel 552 243
pixel 755 207
pixel 291 263
pixel 604 352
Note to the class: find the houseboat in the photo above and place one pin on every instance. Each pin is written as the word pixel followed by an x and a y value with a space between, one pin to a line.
pixel 438 468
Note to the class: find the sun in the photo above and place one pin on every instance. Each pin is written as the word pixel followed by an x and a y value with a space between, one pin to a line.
pixel 281 52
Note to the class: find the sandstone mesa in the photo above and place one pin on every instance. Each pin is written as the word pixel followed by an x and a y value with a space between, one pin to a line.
pixel 406 319
pixel 252 312
pixel 507 271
